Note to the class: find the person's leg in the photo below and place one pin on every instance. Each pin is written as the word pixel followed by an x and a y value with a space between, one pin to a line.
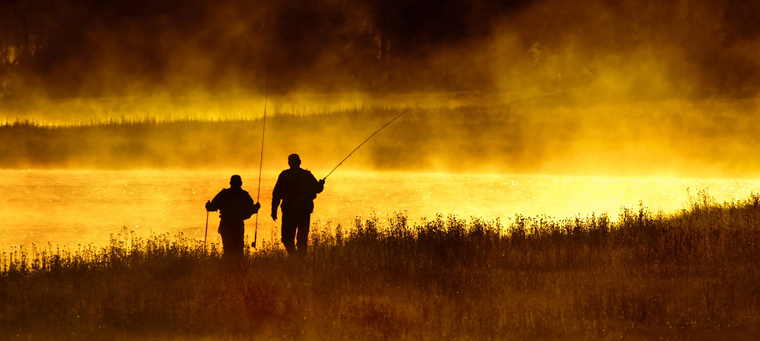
pixel 289 233
pixel 237 236
pixel 302 238
pixel 232 239
pixel 226 240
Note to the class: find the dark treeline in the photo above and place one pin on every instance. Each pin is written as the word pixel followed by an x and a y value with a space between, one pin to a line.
pixel 672 138
pixel 68 48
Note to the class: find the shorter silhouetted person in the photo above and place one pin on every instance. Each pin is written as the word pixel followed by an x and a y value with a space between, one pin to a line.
pixel 235 205
pixel 296 188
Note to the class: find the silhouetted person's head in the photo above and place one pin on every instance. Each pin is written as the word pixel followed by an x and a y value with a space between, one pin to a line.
pixel 294 161
pixel 236 181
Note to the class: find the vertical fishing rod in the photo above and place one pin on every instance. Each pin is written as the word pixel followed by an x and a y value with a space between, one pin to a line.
pixel 365 141
pixel 261 160
pixel 205 236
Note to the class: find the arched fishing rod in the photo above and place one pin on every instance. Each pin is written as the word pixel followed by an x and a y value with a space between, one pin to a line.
pixel 365 141
pixel 261 160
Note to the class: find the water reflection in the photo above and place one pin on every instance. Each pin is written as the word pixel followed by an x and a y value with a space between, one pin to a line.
pixel 80 207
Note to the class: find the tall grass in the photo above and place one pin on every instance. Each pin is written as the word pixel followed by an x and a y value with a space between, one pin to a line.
pixel 693 275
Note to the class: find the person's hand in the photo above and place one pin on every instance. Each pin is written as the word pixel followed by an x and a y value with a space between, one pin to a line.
pixel 322 182
pixel 208 204
pixel 257 206
pixel 274 215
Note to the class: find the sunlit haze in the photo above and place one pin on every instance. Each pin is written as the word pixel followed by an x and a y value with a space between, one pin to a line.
pixel 379 170
pixel 621 91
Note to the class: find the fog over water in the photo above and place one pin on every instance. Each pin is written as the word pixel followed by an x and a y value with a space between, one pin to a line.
pixel 579 85
pixel 545 86
pixel 622 99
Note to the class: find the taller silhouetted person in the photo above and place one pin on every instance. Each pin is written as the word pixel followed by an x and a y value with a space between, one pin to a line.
pixel 296 188
pixel 235 205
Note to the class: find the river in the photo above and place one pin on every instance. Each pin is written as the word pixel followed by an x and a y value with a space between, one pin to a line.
pixel 65 207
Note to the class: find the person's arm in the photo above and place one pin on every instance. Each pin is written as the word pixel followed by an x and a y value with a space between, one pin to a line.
pixel 276 197
pixel 319 186
pixel 249 202
pixel 214 204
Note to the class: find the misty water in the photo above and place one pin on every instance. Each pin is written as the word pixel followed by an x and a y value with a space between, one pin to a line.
pixel 84 207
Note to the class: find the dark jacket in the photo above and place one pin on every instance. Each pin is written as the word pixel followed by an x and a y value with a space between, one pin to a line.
pixel 234 204
pixel 296 188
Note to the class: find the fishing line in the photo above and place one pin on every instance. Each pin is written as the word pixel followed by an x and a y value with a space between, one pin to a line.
pixel 365 141
pixel 261 160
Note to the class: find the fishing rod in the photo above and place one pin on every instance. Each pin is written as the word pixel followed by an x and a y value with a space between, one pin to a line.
pixel 205 237
pixel 261 160
pixel 365 141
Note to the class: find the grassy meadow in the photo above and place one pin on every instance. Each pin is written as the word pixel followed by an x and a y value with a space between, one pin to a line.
pixel 692 275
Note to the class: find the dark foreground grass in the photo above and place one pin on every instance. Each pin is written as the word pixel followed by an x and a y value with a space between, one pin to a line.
pixel 693 275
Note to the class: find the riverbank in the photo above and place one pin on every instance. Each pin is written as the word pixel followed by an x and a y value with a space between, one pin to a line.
pixel 690 275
